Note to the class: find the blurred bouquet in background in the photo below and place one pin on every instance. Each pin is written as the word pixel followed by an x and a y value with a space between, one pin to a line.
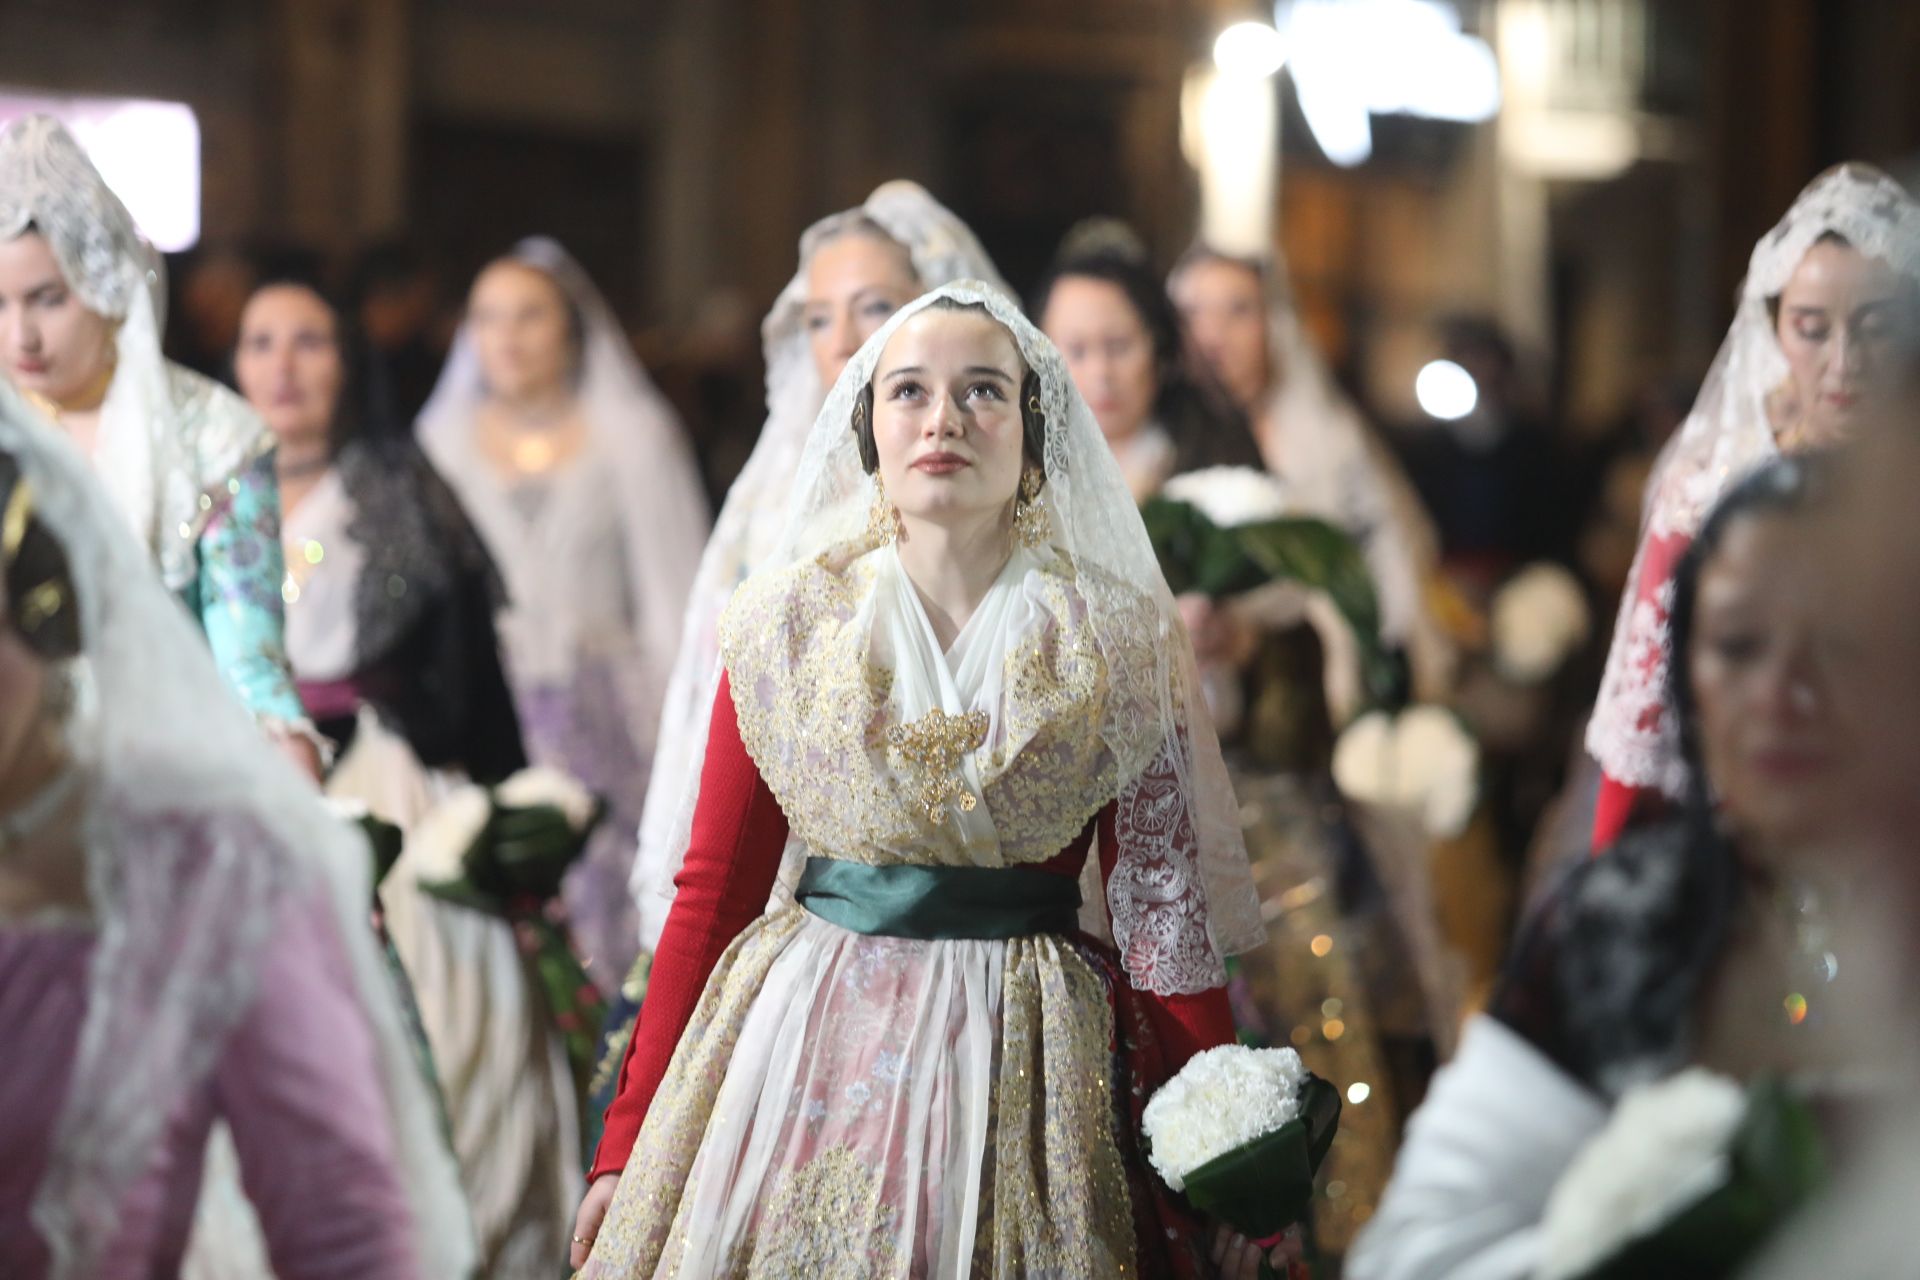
pixel 1224 531
pixel 1539 620
pixel 1422 762
pixel 1689 1178
pixel 506 852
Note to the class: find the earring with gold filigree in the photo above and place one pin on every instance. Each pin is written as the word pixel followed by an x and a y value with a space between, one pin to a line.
pixel 1030 523
pixel 883 521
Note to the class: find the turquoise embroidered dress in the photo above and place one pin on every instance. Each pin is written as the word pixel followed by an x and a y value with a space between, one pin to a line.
pixel 235 593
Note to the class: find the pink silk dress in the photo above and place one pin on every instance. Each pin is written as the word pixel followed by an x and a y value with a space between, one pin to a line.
pixel 297 1082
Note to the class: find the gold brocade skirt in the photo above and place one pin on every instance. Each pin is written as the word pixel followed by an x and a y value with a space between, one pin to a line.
pixel 850 1106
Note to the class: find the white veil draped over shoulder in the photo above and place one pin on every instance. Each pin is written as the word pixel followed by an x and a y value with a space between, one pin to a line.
pixel 1338 468
pixel 166 435
pixel 1180 897
pixel 942 250
pixel 196 843
pixel 1730 432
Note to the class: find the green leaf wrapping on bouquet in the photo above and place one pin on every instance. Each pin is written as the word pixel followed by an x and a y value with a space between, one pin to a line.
pixel 1777 1163
pixel 1182 538
pixel 1266 1186
pixel 513 869
pixel 1197 555
pixel 528 851
pixel 384 841
pixel 521 856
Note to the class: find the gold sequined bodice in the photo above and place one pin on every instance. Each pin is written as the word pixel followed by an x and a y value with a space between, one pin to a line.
pixel 860 780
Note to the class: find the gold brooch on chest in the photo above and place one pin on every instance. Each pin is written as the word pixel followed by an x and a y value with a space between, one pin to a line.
pixel 933 747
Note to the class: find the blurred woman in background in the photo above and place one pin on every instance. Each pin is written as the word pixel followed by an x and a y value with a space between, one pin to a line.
pixel 390 594
pixel 183 940
pixel 582 485
pixel 1241 322
pixel 1725 936
pixel 1825 335
pixel 81 303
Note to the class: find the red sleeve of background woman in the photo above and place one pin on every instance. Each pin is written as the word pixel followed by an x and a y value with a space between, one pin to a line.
pixel 733 858
pixel 1185 1024
pixel 1615 805
pixel 1622 803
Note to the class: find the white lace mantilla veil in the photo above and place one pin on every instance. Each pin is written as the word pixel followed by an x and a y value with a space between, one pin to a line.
pixel 641 434
pixel 1632 733
pixel 155 459
pixel 1181 896
pixel 196 843
pixel 942 249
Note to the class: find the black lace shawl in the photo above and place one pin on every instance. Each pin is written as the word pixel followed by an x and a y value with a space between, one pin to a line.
pixel 1605 977
pixel 428 657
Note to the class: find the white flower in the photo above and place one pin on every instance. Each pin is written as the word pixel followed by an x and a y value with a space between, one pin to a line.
pixel 541 785
pixel 346 808
pixel 1230 496
pixel 1539 618
pixel 1421 761
pixel 1665 1147
pixel 438 846
pixel 1220 1101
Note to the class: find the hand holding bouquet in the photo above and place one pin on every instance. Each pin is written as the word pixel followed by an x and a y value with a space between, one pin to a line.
pixel 1226 530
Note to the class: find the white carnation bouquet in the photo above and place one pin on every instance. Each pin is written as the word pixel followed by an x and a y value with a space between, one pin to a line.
pixel 1421 761
pixel 1242 1133
pixel 514 840
pixel 505 852
pixel 1539 618
pixel 1230 496
pixel 1689 1178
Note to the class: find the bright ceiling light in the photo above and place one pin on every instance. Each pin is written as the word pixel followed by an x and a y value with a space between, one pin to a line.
pixel 1252 50
pixel 1446 391
pixel 1354 59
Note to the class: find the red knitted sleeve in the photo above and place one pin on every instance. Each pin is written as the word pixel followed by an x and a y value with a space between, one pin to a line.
pixel 732 860
pixel 1185 1024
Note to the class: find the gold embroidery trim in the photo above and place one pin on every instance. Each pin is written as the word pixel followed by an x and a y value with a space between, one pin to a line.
pixel 933 747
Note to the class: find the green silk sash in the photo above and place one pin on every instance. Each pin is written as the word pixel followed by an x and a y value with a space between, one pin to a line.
pixel 910 901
